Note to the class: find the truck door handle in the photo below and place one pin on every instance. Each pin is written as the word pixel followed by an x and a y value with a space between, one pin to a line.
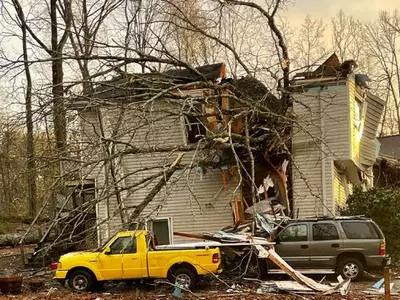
pixel 304 246
pixel 335 245
pixel 134 258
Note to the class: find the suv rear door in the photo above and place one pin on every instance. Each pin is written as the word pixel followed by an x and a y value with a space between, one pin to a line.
pixel 362 237
pixel 325 244
pixel 293 245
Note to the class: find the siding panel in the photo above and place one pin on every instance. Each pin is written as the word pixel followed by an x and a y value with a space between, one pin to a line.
pixel 321 135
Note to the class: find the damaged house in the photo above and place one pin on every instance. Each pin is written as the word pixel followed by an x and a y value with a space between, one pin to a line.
pixel 178 152
pixel 334 137
pixel 161 151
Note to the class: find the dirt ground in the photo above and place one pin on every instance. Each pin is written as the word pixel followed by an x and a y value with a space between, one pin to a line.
pixel 43 287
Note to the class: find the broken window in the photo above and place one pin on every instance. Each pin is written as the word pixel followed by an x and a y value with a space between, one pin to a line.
pixel 194 127
pixel 294 233
pixel 324 232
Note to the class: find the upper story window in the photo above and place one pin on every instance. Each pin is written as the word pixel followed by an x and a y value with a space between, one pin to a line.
pixel 194 127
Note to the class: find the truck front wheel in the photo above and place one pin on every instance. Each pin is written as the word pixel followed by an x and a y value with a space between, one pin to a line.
pixel 185 277
pixel 81 281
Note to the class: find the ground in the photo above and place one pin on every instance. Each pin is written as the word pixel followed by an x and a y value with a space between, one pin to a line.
pixel 123 292
pixel 41 286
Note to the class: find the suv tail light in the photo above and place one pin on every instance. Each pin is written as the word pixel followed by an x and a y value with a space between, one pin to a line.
pixel 382 249
pixel 215 258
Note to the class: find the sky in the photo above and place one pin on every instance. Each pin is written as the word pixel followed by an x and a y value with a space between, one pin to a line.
pixel 364 10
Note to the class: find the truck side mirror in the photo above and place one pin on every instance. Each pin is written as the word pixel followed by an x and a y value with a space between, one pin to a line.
pixel 107 251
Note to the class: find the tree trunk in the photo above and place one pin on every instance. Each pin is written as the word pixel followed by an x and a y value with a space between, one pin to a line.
pixel 30 151
pixel 59 117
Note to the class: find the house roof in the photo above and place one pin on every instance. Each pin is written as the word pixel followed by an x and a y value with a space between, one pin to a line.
pixel 390 146
pixel 129 84
pixel 209 72
pixel 330 68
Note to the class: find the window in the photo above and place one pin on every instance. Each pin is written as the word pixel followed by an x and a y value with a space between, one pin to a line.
pixel 126 244
pixel 359 230
pixel 324 232
pixel 195 128
pixel 161 230
pixel 294 233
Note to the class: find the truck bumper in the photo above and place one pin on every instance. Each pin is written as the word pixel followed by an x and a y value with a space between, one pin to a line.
pixel 60 275
pixel 220 269
pixel 377 262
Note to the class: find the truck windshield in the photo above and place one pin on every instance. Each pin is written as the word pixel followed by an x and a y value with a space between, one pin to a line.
pixel 102 247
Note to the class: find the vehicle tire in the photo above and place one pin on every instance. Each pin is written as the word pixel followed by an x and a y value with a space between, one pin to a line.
pixel 81 281
pixel 186 277
pixel 351 268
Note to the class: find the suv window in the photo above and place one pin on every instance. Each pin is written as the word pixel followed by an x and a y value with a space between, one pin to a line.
pixel 294 233
pixel 324 232
pixel 359 230
pixel 126 244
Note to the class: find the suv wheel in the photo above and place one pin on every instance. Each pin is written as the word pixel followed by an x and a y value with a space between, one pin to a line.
pixel 351 268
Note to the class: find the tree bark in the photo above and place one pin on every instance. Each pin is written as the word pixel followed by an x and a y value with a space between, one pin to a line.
pixel 59 117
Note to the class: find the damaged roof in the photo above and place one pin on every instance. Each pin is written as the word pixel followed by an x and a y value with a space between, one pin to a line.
pixel 209 72
pixel 330 68
pixel 252 88
pixel 128 84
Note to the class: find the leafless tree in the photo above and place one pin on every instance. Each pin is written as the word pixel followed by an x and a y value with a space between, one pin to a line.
pixel 310 46
pixel 382 39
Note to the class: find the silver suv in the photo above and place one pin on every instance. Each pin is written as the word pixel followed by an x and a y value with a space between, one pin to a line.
pixel 345 245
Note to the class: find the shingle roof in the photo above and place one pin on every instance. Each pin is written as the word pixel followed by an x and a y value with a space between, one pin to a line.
pixel 129 84
pixel 210 72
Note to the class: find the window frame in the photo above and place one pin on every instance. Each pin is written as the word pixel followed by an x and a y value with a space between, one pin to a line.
pixel 195 123
pixel 170 227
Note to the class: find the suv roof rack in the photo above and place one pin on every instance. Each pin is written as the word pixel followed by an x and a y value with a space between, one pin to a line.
pixel 322 218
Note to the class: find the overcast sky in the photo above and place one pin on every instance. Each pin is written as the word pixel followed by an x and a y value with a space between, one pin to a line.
pixel 365 10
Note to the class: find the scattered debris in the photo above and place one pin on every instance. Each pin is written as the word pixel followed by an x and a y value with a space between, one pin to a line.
pixel 177 291
pixel 378 288
pixel 254 236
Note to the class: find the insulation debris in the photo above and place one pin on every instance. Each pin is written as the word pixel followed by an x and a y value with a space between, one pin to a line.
pixel 378 288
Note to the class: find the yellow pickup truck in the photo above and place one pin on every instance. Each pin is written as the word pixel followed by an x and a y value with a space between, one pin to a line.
pixel 131 255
